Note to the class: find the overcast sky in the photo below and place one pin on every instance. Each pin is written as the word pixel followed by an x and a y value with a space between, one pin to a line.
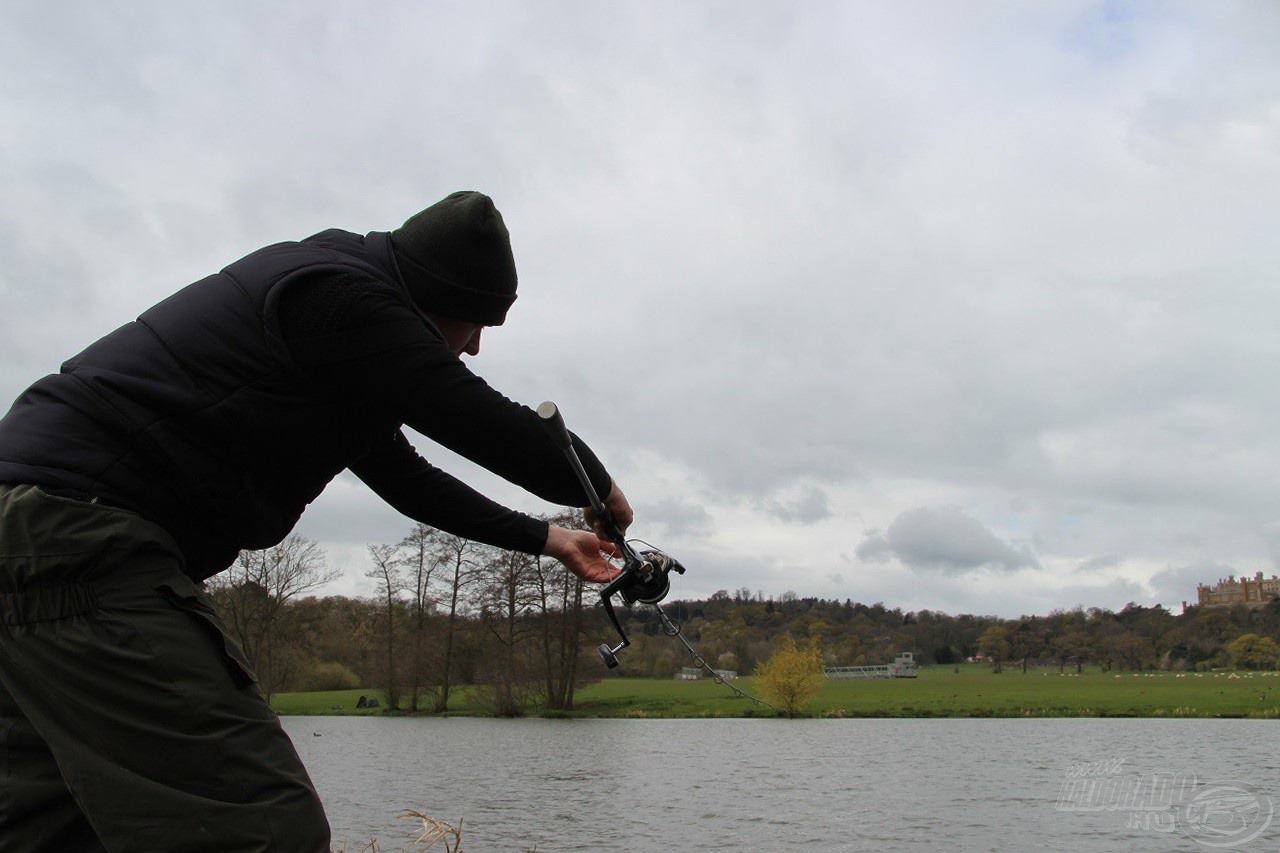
pixel 965 306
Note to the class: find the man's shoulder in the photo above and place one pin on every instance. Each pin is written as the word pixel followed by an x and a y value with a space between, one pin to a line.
pixel 330 252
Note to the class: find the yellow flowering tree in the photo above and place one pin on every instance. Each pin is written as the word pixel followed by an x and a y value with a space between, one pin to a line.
pixel 791 676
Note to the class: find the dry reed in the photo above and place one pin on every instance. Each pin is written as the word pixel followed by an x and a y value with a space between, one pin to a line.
pixel 433 832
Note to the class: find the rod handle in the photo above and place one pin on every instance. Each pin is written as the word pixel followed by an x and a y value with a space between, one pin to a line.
pixel 554 422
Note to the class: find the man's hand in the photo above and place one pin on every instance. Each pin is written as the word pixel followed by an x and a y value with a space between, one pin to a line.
pixel 582 553
pixel 619 510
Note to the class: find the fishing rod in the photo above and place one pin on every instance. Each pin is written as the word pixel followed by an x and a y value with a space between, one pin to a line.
pixel 645 575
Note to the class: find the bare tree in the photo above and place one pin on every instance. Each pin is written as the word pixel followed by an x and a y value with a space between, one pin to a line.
pixel 386 572
pixel 252 594
pixel 559 601
pixel 508 597
pixel 421 557
pixel 458 572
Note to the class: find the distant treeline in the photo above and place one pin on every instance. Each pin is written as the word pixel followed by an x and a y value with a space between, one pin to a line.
pixel 452 612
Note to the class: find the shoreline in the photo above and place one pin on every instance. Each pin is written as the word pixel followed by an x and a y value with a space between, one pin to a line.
pixel 968 691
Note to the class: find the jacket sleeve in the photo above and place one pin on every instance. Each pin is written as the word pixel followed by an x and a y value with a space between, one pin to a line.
pixel 410 484
pixel 369 347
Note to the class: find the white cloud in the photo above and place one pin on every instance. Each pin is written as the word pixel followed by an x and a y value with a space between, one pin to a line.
pixel 791 270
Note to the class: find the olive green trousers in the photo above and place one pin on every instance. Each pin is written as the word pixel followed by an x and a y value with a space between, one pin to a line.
pixel 129 720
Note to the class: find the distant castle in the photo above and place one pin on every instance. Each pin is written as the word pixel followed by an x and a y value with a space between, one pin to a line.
pixel 1253 593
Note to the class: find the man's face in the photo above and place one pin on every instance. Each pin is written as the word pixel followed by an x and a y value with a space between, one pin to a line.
pixel 461 337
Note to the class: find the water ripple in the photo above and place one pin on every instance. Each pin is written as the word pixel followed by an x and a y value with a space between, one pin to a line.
pixel 660 785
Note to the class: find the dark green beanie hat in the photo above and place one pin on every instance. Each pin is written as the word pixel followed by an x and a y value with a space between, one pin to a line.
pixel 455 259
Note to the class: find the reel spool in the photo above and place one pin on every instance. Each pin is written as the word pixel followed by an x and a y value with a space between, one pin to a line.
pixel 651 591
pixel 653 578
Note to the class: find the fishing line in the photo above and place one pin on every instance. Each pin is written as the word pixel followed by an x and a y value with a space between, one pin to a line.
pixel 671 629
pixel 645 576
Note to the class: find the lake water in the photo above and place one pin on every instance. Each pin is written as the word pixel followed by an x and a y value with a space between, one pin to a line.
pixel 774 785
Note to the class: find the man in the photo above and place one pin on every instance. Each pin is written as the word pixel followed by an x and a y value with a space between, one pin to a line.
pixel 128 719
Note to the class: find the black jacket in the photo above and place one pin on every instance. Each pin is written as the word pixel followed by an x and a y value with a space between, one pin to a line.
pixel 203 416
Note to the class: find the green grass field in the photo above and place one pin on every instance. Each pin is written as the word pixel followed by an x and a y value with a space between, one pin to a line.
pixel 941 691
pixel 325 702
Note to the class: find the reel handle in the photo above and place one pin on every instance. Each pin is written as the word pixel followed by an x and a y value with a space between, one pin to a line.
pixel 609 655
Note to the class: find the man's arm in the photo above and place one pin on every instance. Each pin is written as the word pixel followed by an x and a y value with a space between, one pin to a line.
pixel 419 490
pixel 410 484
pixel 366 345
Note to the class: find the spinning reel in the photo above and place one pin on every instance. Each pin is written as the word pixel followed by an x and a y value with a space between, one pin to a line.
pixel 645 578
pixel 646 575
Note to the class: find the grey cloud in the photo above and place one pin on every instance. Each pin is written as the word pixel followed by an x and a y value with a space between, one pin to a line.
pixel 677 517
pixel 946 540
pixel 746 251
pixel 1093 564
pixel 1176 584
pixel 808 504
pixel 964 596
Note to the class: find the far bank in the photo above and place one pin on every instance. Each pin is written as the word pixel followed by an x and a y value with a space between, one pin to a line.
pixel 968 690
